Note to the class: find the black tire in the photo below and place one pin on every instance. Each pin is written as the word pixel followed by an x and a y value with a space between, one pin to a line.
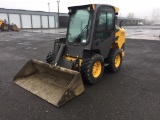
pixel 49 57
pixel 87 69
pixel 113 65
pixel 4 27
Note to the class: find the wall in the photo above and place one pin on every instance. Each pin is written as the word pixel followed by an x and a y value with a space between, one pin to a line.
pixel 30 19
pixel 130 21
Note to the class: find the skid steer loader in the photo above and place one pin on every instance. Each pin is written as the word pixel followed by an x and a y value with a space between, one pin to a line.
pixel 4 26
pixel 93 41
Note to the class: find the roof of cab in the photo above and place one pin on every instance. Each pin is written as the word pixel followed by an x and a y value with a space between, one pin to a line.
pixel 116 9
pixel 94 6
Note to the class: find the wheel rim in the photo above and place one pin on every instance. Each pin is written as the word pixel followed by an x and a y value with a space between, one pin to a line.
pixel 6 27
pixel 117 60
pixel 97 67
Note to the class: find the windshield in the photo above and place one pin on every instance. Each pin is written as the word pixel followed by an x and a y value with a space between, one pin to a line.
pixel 78 27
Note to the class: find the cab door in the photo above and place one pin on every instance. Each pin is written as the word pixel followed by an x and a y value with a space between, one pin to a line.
pixel 104 31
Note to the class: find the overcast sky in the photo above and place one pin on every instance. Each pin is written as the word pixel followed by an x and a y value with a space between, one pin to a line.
pixel 141 8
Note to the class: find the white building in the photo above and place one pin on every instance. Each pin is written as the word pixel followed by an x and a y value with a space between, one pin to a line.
pixel 30 19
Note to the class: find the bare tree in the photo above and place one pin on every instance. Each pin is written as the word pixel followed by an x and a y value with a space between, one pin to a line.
pixel 130 15
pixel 148 22
pixel 156 15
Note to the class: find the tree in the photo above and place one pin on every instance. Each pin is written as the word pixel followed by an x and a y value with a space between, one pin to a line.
pixel 130 15
pixel 156 15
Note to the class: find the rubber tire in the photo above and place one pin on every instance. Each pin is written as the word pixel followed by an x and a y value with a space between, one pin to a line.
pixel 3 25
pixel 87 66
pixel 111 60
pixel 49 57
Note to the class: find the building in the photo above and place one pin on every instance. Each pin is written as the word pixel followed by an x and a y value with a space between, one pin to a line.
pixel 40 19
pixel 131 21
pixel 63 20
pixel 33 19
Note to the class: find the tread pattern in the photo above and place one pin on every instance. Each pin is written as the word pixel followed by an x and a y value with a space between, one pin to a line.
pixel 86 68
pixel 3 25
pixel 111 60
pixel 49 57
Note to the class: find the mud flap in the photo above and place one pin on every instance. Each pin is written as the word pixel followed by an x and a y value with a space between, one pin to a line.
pixel 56 85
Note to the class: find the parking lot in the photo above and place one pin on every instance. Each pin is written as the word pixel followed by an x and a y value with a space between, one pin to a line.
pixel 131 94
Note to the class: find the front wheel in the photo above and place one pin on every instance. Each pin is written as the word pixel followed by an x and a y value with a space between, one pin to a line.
pixel 49 57
pixel 4 27
pixel 92 68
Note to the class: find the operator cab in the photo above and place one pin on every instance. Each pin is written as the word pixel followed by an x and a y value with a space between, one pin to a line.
pixel 91 27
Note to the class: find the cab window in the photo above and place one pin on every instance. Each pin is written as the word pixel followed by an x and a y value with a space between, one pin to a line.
pixel 105 24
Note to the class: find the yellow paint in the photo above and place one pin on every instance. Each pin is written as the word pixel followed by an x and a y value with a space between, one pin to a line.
pixel 123 54
pixel 80 62
pixel 93 6
pixel 1 21
pixel 116 9
pixel 96 70
pixel 121 39
pixel 117 60
pixel 67 57
pixel 70 58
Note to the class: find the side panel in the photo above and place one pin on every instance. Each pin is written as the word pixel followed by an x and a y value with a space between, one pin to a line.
pixel 44 21
pixel 15 18
pixel 3 16
pixel 36 21
pixel 51 22
pixel 104 30
pixel 120 39
pixel 26 21
pixel 74 51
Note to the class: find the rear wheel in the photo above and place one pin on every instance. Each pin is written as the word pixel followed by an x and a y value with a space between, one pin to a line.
pixel 49 57
pixel 4 27
pixel 92 69
pixel 114 60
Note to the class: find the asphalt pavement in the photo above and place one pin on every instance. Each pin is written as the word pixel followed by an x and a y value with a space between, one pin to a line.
pixel 131 94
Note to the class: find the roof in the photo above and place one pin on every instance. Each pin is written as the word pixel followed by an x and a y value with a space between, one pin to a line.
pixel 124 18
pixel 23 10
pixel 116 8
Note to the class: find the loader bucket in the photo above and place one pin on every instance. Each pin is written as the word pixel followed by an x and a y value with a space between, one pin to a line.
pixel 14 28
pixel 56 85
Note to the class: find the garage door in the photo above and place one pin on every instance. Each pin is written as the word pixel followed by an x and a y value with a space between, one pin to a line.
pixel 44 21
pixel 14 18
pixel 51 22
pixel 36 21
pixel 3 16
pixel 63 21
pixel 26 21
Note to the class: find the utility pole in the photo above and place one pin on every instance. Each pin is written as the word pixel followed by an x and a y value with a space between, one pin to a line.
pixel 49 7
pixel 58 11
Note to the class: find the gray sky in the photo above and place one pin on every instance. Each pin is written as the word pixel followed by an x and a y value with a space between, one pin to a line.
pixel 141 8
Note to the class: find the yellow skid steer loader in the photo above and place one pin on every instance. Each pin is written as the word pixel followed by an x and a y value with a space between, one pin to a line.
pixel 93 41
pixel 4 26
